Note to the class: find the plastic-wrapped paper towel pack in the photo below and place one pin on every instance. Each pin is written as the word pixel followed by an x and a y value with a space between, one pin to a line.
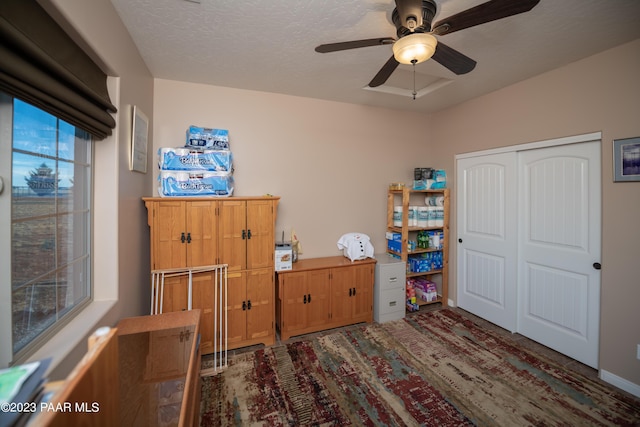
pixel 202 167
pixel 434 179
pixel 181 183
pixel 176 159
pixel 217 139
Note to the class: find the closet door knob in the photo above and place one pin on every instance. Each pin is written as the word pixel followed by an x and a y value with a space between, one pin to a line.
pixel 597 265
pixel 459 240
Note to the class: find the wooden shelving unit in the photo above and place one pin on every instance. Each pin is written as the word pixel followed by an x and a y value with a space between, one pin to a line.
pixel 407 197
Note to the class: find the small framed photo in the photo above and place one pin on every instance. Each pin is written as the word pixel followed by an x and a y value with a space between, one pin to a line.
pixel 139 141
pixel 626 159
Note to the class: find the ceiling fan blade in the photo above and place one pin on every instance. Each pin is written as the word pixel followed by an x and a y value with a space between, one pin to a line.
pixel 483 13
pixel 452 59
pixel 385 72
pixel 334 47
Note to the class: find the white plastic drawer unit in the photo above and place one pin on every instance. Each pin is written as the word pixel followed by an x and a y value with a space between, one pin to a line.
pixel 389 289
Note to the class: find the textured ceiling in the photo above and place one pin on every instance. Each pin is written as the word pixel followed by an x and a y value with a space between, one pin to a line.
pixel 269 46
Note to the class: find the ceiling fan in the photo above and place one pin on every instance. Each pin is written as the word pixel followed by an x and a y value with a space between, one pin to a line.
pixel 416 40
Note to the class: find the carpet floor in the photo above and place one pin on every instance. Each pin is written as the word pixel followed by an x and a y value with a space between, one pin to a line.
pixel 434 368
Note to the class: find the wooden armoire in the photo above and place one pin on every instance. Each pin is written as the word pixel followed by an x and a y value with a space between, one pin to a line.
pixel 237 231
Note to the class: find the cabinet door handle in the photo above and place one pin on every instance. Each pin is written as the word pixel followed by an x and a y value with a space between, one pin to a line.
pixel 350 291
pixel 249 305
pixel 304 299
pixel 244 234
pixel 354 292
pixel 188 237
pixel 393 279
pixel 244 305
pixel 309 298
pixel 248 234
pixel 182 238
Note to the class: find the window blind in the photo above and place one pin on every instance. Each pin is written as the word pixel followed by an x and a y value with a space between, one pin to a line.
pixel 42 65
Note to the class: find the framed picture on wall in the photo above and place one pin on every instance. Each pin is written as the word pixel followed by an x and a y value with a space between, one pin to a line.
pixel 139 141
pixel 626 159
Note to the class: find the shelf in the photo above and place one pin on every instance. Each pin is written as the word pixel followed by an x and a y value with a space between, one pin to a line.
pixel 408 197
pixel 399 229
pixel 422 251
pixel 422 302
pixel 435 191
pixel 416 252
pixel 423 273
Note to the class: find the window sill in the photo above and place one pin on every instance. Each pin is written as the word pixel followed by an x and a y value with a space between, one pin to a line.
pixel 73 334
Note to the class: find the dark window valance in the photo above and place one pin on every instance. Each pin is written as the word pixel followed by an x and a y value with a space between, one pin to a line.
pixel 41 64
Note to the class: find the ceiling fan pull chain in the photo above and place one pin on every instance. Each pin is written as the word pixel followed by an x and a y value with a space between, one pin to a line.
pixel 414 79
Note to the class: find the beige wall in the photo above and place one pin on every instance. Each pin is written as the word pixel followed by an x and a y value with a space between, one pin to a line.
pixel 330 163
pixel 121 238
pixel 598 94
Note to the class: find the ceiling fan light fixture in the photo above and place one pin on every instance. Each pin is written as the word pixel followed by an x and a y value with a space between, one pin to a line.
pixel 414 48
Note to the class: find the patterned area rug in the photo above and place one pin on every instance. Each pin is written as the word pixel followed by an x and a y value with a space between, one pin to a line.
pixel 432 369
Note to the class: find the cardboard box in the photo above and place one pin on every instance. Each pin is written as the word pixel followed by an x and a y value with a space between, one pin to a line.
pixel 394 246
pixel 396 237
pixel 284 257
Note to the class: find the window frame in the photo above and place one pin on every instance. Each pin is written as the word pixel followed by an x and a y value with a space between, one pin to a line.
pixel 8 356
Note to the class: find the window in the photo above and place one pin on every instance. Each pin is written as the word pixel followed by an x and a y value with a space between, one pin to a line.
pixel 50 211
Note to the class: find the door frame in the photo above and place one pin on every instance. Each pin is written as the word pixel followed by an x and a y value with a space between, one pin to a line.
pixel 576 139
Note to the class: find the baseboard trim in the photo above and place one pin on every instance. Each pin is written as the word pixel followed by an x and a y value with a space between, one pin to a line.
pixel 620 382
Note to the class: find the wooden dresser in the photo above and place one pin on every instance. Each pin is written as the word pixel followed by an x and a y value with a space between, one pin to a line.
pixel 146 371
pixel 324 293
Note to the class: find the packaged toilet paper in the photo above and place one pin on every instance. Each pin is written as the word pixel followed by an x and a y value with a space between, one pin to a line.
pixel 216 139
pixel 440 179
pixel 182 184
pixel 195 160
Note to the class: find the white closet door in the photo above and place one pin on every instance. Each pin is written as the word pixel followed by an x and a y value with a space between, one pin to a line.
pixel 559 244
pixel 487 237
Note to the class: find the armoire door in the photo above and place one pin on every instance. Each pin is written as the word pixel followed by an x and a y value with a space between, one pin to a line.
pixel 260 233
pixel 233 234
pixel 487 237
pixel 559 248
